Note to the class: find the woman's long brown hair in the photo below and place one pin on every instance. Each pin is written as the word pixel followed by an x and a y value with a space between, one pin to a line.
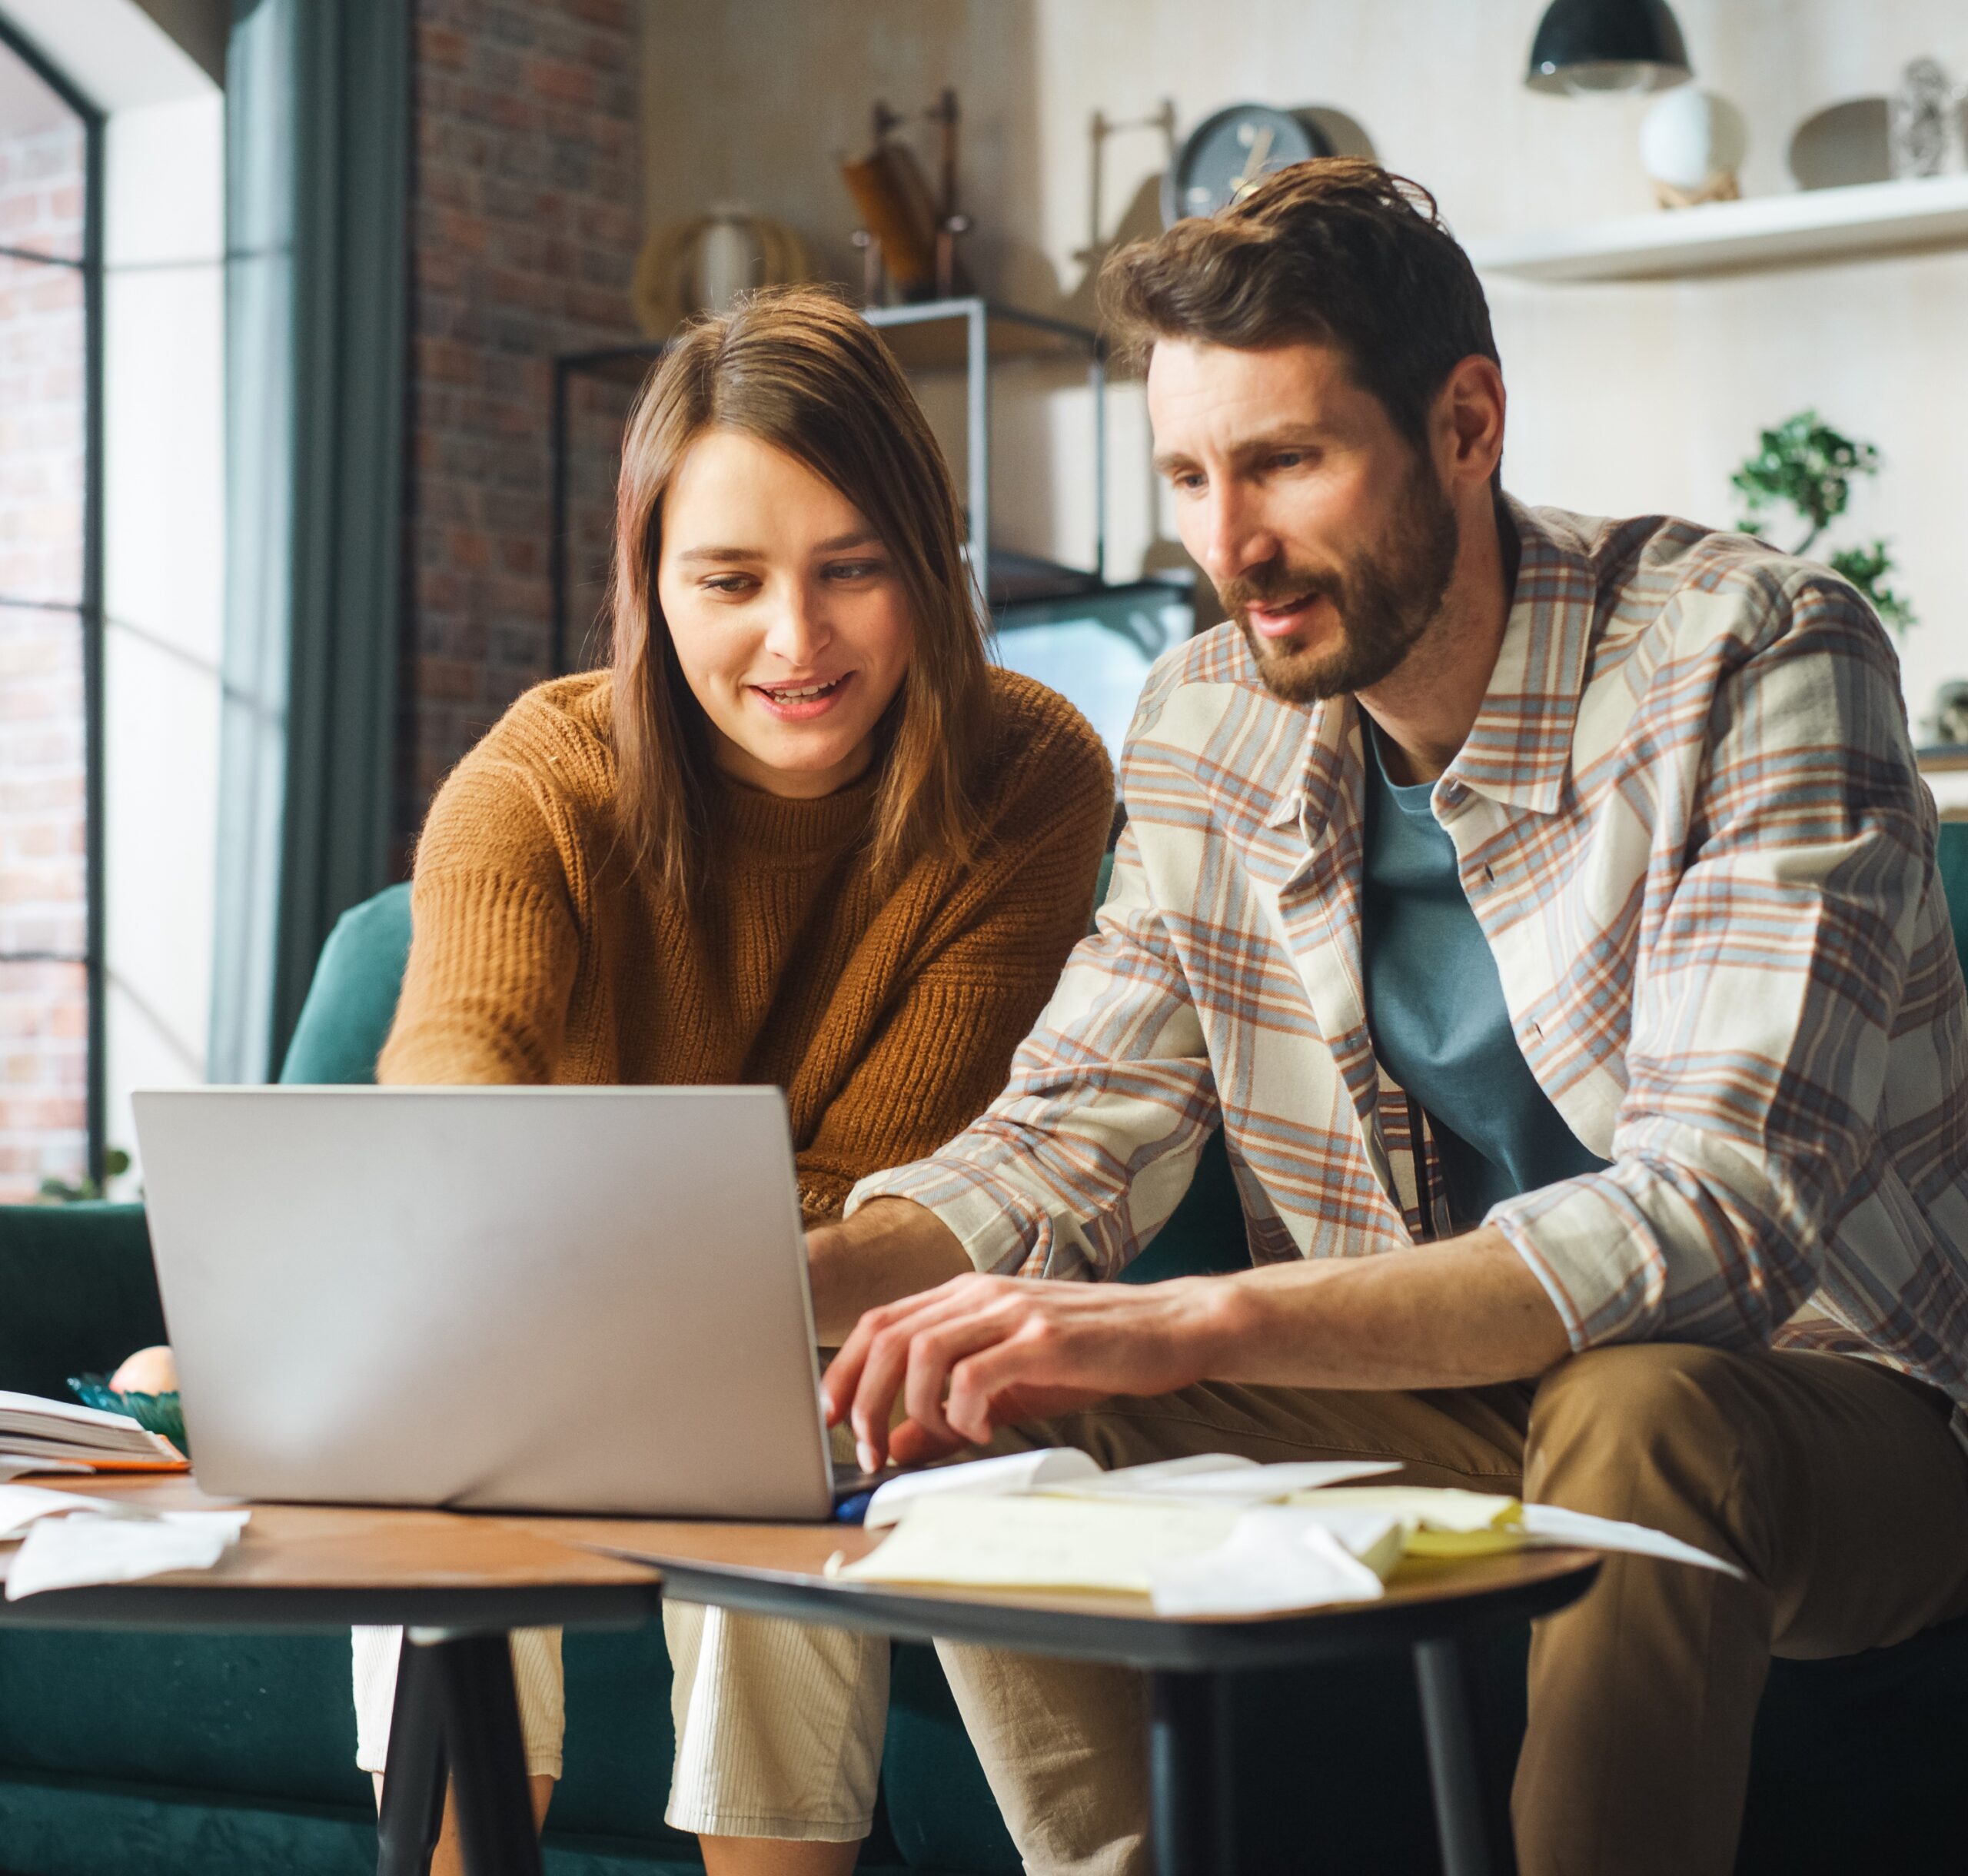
pixel 797 369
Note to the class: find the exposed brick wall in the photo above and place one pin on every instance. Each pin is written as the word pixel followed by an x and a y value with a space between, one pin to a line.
pixel 524 225
pixel 44 1005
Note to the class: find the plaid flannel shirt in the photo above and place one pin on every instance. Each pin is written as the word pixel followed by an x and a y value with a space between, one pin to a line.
pixel 1689 822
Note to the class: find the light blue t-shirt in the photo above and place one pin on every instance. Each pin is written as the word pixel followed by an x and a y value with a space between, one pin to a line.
pixel 1435 1005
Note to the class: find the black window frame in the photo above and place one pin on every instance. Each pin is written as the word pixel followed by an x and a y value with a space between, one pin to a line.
pixel 90 608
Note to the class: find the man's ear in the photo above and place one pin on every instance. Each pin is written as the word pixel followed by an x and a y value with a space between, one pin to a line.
pixel 1469 421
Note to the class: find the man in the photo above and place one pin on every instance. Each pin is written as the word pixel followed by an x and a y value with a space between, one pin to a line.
pixel 1546 908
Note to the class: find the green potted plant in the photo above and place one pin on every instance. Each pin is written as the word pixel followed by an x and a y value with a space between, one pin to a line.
pixel 1806 465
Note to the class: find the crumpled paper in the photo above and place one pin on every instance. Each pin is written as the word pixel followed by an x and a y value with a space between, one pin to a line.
pixel 20 1506
pixel 1276 1558
pixel 1064 1472
pixel 1008 1475
pixel 71 1542
pixel 1297 1556
pixel 1219 1478
pixel 19 1464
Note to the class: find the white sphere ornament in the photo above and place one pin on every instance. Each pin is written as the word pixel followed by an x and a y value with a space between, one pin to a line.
pixel 1691 144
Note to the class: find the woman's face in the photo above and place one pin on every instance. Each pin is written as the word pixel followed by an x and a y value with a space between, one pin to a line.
pixel 787 612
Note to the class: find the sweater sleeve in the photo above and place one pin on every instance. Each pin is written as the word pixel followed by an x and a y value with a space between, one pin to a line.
pixel 989 961
pixel 494 945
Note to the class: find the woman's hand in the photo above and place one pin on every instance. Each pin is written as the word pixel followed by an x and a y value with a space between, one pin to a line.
pixel 149 1371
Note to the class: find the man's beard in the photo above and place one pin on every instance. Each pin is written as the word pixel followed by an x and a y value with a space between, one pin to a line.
pixel 1386 596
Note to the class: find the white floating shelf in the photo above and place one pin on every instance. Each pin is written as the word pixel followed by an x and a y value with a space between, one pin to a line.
pixel 1767 231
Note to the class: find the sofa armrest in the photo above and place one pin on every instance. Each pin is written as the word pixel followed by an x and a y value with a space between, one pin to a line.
pixel 76 1292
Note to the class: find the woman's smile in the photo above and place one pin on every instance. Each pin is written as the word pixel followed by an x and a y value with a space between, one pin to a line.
pixel 801 703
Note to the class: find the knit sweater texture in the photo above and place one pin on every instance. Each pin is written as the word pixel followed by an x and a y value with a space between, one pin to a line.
pixel 887 1015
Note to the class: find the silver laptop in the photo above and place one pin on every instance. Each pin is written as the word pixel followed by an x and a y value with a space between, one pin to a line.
pixel 573 1300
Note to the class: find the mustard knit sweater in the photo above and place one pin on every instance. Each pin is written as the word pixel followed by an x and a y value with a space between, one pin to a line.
pixel 889 1017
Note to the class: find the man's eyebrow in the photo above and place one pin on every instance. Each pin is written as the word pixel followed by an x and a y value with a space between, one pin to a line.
pixel 1295 437
pixel 1299 437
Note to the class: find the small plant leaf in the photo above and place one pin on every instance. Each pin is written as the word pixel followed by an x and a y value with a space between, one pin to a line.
pixel 1807 467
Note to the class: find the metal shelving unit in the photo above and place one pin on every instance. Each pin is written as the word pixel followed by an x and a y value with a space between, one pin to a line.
pixel 972 335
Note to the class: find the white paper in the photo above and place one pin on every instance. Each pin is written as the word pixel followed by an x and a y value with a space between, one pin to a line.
pixel 18 1464
pixel 1039 1543
pixel 23 1505
pixel 1552 1524
pixel 1218 1479
pixel 1276 1558
pixel 68 1553
pixel 43 1407
pixel 1428 1508
pixel 1008 1476
pixel 1190 1466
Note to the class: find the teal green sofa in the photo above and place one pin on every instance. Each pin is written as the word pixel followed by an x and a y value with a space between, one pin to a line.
pixel 201 1755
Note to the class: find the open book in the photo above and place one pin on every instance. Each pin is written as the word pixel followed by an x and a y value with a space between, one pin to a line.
pixel 49 1435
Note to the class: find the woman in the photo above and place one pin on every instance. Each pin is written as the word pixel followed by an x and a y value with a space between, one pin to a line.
pixel 799 832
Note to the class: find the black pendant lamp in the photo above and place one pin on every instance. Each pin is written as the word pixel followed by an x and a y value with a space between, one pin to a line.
pixel 1593 47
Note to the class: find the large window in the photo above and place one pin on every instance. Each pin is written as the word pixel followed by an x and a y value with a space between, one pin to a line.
pixel 51 947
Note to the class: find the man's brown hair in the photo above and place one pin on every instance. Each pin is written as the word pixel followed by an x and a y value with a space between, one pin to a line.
pixel 1338 251
pixel 797 369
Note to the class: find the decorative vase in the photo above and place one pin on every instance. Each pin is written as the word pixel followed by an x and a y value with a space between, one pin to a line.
pixel 1691 144
pixel 703 264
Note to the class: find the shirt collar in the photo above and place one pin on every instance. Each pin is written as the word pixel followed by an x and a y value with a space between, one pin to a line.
pixel 1519 749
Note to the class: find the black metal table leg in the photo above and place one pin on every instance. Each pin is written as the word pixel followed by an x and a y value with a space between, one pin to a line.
pixel 487 1755
pixel 1472 1810
pixel 1189 1763
pixel 414 1777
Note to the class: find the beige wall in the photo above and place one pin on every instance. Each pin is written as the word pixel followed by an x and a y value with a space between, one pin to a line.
pixel 1625 398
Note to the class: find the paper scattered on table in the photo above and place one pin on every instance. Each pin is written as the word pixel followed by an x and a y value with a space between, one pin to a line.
pixel 68 1553
pixel 1277 1557
pixel 19 1464
pixel 68 1540
pixel 21 1505
pixel 1216 1536
pixel 1551 1524
pixel 1441 1521
pixel 1064 1472
pixel 1038 1543
pixel 1219 1477
pixel 1009 1475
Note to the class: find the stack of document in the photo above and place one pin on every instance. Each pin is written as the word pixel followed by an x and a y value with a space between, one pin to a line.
pixel 42 1435
pixel 1213 1534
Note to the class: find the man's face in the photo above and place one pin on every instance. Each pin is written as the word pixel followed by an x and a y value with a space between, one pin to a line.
pixel 1329 537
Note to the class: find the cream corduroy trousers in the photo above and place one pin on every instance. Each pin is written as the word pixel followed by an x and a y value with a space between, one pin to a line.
pixel 779 1726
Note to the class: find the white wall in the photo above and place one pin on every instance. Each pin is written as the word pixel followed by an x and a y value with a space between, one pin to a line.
pixel 163 519
pixel 164 507
pixel 1625 398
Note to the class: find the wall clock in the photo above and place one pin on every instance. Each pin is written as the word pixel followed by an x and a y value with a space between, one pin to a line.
pixel 1229 151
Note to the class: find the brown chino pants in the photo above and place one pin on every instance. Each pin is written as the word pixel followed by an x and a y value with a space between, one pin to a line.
pixel 1836 1484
